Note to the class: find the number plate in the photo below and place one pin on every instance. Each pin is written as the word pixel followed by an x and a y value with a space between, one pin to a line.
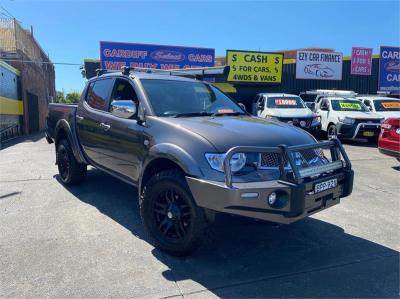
pixel 368 133
pixel 325 185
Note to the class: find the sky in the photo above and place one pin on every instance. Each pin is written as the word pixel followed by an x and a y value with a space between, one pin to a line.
pixel 70 31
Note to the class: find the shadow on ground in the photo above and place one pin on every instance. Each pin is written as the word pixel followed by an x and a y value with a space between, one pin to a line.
pixel 25 138
pixel 311 258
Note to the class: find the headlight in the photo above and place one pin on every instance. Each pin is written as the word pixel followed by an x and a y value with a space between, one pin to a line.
pixel 216 161
pixel 316 118
pixel 346 120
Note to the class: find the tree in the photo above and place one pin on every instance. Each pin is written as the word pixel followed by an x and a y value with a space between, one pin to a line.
pixel 60 96
pixel 72 97
pixel 69 98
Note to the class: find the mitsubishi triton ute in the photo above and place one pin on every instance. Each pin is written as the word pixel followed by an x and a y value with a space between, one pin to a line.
pixel 193 152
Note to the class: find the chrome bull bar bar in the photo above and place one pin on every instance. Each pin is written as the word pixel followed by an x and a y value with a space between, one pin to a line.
pixel 334 145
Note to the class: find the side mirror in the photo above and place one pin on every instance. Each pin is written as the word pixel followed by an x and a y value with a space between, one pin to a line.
pixel 324 107
pixel 123 108
pixel 242 106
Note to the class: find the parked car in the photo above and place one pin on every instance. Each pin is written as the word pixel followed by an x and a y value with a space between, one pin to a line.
pixel 287 108
pixel 348 118
pixel 193 152
pixel 384 106
pixel 389 138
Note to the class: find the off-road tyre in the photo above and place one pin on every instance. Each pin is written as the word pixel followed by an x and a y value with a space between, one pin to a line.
pixel 71 172
pixel 166 201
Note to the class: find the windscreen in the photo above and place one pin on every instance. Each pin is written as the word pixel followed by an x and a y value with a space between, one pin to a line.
pixel 348 105
pixel 387 105
pixel 174 97
pixel 285 102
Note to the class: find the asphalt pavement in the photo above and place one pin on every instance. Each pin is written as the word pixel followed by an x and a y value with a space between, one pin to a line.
pixel 88 240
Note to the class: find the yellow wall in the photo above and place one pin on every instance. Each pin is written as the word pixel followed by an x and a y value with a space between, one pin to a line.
pixel 10 106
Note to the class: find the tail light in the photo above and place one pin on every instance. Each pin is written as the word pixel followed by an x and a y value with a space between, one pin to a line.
pixel 390 128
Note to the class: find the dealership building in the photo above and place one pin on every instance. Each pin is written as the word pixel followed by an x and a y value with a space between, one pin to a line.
pixel 27 81
pixel 362 84
pixel 289 81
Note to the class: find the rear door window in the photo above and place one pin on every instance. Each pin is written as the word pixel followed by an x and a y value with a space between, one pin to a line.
pixel 99 93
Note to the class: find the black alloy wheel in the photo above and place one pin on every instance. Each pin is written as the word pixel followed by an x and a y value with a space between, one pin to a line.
pixel 172 214
pixel 173 221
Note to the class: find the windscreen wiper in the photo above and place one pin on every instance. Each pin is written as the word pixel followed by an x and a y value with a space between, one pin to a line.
pixel 201 113
pixel 227 113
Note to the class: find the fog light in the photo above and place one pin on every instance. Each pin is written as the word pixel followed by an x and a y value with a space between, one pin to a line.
pixel 272 199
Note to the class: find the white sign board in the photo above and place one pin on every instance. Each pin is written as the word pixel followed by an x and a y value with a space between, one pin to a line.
pixel 319 65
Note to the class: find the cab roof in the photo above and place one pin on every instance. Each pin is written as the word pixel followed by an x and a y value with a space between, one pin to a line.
pixel 342 98
pixel 144 75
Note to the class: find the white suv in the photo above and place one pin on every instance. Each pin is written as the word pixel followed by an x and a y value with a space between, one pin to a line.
pixel 384 106
pixel 287 108
pixel 347 117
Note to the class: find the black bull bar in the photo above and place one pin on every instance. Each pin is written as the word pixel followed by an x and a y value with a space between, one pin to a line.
pixel 283 151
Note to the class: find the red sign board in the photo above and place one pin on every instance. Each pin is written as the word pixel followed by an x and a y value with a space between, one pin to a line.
pixel 285 102
pixel 361 61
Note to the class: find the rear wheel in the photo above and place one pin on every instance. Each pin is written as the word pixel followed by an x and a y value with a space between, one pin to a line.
pixel 70 170
pixel 170 216
pixel 332 131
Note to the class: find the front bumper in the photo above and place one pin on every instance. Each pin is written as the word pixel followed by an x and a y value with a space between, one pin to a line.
pixel 308 124
pixel 390 152
pixel 313 128
pixel 358 130
pixel 251 199
pixel 302 201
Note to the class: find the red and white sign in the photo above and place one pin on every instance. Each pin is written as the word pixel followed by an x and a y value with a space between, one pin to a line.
pixel 361 61
pixel 285 102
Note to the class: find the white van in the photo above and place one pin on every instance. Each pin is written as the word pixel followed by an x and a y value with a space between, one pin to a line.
pixel 287 108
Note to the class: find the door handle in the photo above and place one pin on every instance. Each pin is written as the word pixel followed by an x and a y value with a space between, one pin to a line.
pixel 104 126
pixel 78 117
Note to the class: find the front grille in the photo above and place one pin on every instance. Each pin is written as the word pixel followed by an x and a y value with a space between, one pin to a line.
pixel 302 158
pixel 373 121
pixel 271 160
pixel 296 121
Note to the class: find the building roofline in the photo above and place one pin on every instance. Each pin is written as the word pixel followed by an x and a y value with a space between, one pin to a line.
pixel 9 67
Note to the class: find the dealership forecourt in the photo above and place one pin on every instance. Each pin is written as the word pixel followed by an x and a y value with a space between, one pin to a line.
pixel 88 240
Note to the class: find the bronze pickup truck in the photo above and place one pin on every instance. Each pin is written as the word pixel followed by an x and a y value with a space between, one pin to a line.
pixel 193 152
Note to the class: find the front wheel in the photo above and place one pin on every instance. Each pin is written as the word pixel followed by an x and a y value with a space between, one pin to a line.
pixel 170 216
pixel 332 131
pixel 70 170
